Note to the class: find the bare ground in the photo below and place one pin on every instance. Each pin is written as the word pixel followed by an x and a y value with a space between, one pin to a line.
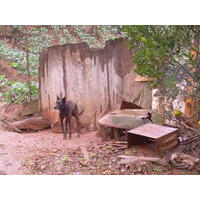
pixel 45 153
pixel 15 148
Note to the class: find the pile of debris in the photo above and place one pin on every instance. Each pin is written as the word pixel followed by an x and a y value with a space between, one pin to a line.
pixel 136 126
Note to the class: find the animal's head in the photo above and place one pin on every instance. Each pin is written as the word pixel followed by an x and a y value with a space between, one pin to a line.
pixel 60 103
pixel 149 114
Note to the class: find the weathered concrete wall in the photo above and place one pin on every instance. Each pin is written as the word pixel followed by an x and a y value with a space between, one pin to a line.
pixel 97 80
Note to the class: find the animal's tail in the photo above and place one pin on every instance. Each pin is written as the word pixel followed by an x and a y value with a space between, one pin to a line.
pixel 82 111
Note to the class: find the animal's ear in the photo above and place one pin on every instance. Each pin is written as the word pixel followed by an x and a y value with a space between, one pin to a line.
pixel 57 97
pixel 64 100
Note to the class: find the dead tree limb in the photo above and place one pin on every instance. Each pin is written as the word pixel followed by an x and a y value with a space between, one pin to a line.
pixel 11 125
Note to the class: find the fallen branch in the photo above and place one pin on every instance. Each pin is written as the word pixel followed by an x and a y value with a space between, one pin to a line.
pixel 33 123
pixel 120 146
pixel 11 125
pixel 120 142
pixel 134 159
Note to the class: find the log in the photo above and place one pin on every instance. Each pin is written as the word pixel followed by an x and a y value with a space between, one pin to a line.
pixel 134 159
pixel 12 126
pixel 33 123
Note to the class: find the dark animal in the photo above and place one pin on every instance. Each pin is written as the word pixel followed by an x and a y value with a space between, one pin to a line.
pixel 67 109
pixel 149 116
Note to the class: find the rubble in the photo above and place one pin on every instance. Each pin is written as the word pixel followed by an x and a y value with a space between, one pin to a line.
pixel 183 161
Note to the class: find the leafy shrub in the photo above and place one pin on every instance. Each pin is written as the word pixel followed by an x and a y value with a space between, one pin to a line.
pixel 17 59
pixel 3 84
pixel 17 92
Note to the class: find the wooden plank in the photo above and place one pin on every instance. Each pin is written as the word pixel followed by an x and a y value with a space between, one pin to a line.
pixel 135 159
pixel 167 146
pixel 167 138
pixel 153 131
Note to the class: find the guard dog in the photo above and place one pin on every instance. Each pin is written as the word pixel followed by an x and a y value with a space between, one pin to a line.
pixel 67 109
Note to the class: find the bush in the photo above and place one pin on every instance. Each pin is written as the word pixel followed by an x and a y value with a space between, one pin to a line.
pixel 17 59
pixel 16 92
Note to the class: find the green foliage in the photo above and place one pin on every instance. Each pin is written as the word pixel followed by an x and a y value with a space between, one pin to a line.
pixel 96 40
pixel 17 92
pixel 163 53
pixel 150 49
pixel 42 37
pixel 3 82
pixel 17 59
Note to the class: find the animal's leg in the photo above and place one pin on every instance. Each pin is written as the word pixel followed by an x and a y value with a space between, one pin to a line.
pixel 78 123
pixel 66 124
pixel 69 121
pixel 62 126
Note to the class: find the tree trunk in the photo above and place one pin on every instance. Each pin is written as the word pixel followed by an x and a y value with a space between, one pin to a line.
pixel 28 67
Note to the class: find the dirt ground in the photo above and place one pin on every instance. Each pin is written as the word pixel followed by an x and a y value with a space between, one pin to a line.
pixel 15 147
pixel 45 152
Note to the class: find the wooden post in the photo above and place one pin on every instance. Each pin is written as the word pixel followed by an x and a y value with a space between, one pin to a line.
pixel 116 134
